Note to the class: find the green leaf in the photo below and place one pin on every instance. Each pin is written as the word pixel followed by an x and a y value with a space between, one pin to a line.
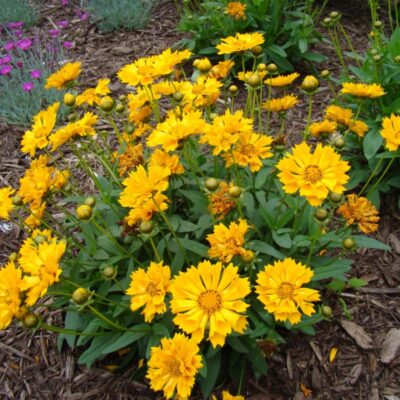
pixel 370 243
pixel 330 268
pixel 161 330
pixel 99 343
pixel 208 50
pixel 357 283
pixel 336 285
pixel 126 339
pixel 372 143
pixel 237 345
pixel 265 248
pixel 203 369
pixel 303 45
pixel 101 255
pixel 257 360
pixel 262 177
pixel 195 247
pixel 282 240
pixel 207 383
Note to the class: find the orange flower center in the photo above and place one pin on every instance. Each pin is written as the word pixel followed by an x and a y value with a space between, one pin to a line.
pixel 152 289
pixel 286 290
pixel 247 149
pixel 210 301
pixel 312 174
pixel 174 368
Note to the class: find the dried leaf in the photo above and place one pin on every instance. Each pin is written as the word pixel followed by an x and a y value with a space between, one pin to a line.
pixel 357 333
pixel 391 346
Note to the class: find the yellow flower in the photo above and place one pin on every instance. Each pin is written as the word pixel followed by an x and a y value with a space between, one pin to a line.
pixel 221 70
pixel 41 266
pixel 358 127
pixel 173 130
pixel 250 150
pixel 364 90
pixel 82 127
pixel 282 80
pixel 93 95
pixel 36 214
pixel 65 75
pixel 220 201
pixel 210 296
pixel 281 104
pixel 226 130
pixel 323 127
pixel 37 137
pixel 360 211
pixel 339 114
pixel 279 288
pixel 130 158
pixel 313 174
pixel 148 289
pixel 166 160
pixel 240 42
pixel 391 131
pixel 6 204
pixel 143 193
pixel 236 9
pixel 10 286
pixel 173 366
pixel 205 91
pixel 227 396
pixel 227 243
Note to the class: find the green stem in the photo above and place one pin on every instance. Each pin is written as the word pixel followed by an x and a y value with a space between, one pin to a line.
pixel 154 249
pixel 101 316
pixel 377 166
pixel 382 175
pixel 56 329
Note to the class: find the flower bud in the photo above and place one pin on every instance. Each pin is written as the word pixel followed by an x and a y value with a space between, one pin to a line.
pixel 248 256
pixel 321 214
pixel 204 65
pixel 325 73
pixel 235 192
pixel 339 142
pixel 178 97
pixel 107 103
pixel 272 68
pixel 39 239
pixel 254 80
pixel 17 200
pixel 84 212
pixel 233 89
pixel 377 57
pixel 378 24
pixel 13 257
pixel 122 98
pixel 334 15
pixel 326 311
pixel 257 50
pixel 72 117
pixel 69 99
pixel 109 272
pixel 327 21
pixel 397 59
pixel 146 227
pixel 349 243
pixel 211 184
pixel 196 63
pixel 261 67
pixel 374 52
pixel 80 296
pixel 310 84
pixel 119 108
pixel 90 201
pixel 30 320
pixel 335 197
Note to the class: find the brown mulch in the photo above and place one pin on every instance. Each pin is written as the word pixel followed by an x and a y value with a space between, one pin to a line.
pixel 31 367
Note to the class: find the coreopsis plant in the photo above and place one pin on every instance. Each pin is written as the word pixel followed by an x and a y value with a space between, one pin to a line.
pixel 182 232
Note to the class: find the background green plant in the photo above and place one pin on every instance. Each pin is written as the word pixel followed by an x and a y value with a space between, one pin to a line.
pixel 18 10
pixel 112 15
pixel 288 26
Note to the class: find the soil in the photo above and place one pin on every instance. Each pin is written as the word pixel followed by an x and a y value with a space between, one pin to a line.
pixel 31 367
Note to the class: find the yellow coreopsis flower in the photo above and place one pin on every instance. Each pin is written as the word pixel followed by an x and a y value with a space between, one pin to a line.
pixel 10 290
pixel 339 114
pixel 240 42
pixel 228 242
pixel 6 204
pixel 93 95
pixel 43 124
pixel 166 160
pixel 41 265
pixel 34 219
pixel 210 296
pixel 358 127
pixel 249 151
pixel 281 104
pixel 148 289
pixel 143 193
pixel 226 130
pixel 222 69
pixel 363 90
pixel 391 132
pixel 173 366
pixel 65 75
pixel 314 175
pixel 323 127
pixel 361 212
pixel 236 9
pixel 279 288
pixel 130 158
pixel 205 91
pixel 282 80
pixel 220 201
pixel 174 129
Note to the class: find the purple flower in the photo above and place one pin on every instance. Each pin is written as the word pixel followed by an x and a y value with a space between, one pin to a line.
pixel 62 24
pixel 9 46
pixel 84 16
pixel 5 60
pixel 68 45
pixel 36 74
pixel 28 86
pixel 54 32
pixel 6 69
pixel 18 33
pixel 20 64
pixel 15 25
pixel 64 2
pixel 24 44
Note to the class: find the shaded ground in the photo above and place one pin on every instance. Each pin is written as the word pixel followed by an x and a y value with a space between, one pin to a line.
pixel 31 366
